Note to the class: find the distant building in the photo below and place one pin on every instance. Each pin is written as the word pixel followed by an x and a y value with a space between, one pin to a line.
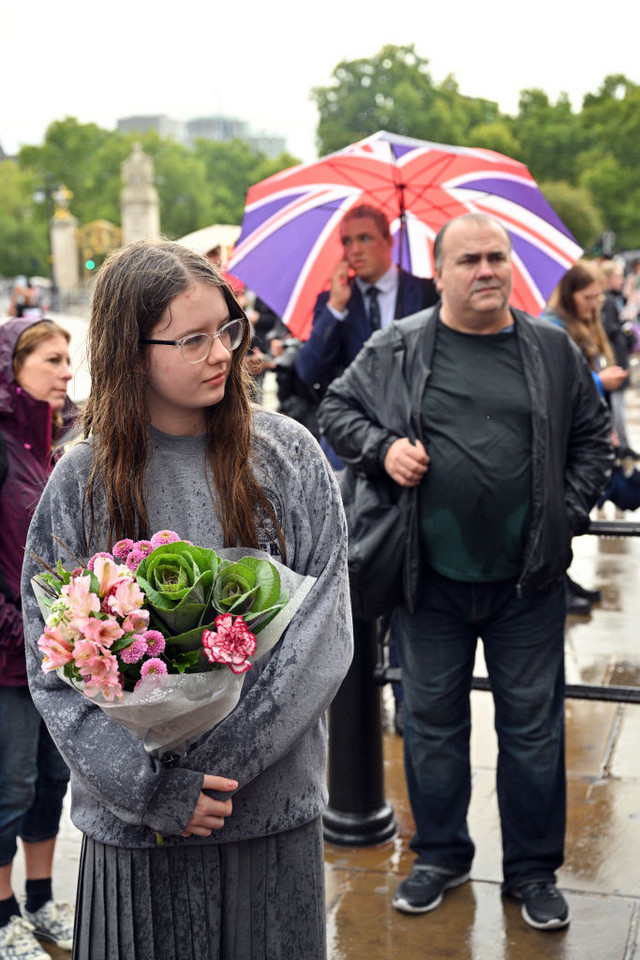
pixel 165 126
pixel 216 127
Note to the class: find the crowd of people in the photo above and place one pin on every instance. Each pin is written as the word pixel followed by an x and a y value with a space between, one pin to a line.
pixel 501 428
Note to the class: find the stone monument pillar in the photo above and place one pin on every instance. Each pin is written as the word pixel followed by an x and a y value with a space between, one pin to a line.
pixel 139 204
pixel 64 247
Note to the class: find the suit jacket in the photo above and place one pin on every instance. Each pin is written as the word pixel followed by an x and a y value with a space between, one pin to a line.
pixel 334 344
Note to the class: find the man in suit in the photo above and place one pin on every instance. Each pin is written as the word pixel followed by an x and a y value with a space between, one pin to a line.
pixel 367 291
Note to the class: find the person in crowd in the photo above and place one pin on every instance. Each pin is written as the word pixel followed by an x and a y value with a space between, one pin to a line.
pixel 511 450
pixel 34 411
pixel 367 292
pixel 25 300
pixel 619 334
pixel 172 441
pixel 575 306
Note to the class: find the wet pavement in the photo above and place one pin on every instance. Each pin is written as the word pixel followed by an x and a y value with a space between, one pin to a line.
pixel 601 875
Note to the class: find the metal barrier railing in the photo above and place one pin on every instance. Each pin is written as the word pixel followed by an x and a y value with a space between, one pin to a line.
pixel 358 814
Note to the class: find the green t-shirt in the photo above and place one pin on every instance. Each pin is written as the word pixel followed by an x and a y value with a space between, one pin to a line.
pixel 476 420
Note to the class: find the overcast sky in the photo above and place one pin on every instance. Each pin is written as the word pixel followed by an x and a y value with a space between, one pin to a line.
pixel 259 60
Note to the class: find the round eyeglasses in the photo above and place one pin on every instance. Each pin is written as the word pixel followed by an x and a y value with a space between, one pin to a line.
pixel 197 346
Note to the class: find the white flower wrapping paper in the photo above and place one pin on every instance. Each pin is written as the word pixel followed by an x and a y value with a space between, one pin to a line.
pixel 169 712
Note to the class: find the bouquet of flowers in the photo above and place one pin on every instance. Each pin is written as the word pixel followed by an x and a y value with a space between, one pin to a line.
pixel 160 632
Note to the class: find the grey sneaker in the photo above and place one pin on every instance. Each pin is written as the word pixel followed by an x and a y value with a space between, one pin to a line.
pixel 53 922
pixel 424 888
pixel 543 906
pixel 17 942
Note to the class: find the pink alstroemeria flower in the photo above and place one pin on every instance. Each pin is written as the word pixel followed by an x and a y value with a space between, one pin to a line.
pixel 87 655
pixel 109 573
pixel 80 600
pixel 92 560
pixel 57 650
pixel 136 622
pixel 126 598
pixel 231 643
pixel 102 632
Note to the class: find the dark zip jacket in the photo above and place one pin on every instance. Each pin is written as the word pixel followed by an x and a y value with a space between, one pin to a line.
pixel 379 399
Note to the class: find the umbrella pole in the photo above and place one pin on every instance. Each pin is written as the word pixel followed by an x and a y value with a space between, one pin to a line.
pixel 358 814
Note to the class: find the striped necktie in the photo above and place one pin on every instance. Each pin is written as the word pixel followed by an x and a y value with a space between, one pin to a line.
pixel 374 307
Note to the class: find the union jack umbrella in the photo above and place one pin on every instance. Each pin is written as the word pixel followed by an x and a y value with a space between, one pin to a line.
pixel 290 237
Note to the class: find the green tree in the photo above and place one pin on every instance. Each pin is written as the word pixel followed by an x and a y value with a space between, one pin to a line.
pixel 393 90
pixel 24 245
pixel 230 169
pixel 576 209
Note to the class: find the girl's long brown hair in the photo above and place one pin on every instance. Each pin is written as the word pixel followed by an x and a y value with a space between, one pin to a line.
pixel 133 290
pixel 589 335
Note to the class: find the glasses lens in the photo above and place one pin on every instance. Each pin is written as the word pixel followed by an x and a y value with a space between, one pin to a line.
pixel 231 334
pixel 196 347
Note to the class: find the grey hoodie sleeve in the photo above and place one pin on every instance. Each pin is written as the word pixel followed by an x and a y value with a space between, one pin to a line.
pixel 109 761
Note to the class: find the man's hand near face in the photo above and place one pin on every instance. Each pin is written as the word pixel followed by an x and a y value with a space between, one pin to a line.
pixel 340 287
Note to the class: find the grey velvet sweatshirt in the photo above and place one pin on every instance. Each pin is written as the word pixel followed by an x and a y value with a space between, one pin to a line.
pixel 274 742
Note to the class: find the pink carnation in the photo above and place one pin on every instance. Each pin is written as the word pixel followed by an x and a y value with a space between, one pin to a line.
pixel 122 549
pixel 231 643
pixel 155 642
pixel 135 652
pixel 162 537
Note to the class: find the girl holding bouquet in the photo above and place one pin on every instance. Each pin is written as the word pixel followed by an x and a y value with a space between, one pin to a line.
pixel 34 407
pixel 172 441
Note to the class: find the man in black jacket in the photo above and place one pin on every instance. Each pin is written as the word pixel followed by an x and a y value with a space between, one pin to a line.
pixel 494 421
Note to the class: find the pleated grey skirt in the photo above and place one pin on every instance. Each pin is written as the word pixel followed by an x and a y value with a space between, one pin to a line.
pixel 257 899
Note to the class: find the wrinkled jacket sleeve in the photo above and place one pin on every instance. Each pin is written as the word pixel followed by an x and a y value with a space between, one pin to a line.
pixel 318 358
pixel 589 451
pixel 365 409
pixel 110 762
pixel 301 677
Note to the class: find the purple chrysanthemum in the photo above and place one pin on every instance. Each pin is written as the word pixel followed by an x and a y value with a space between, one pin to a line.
pixel 155 642
pixel 162 537
pixel 135 652
pixel 153 665
pixel 122 549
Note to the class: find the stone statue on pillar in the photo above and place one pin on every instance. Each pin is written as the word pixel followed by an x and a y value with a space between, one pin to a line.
pixel 139 203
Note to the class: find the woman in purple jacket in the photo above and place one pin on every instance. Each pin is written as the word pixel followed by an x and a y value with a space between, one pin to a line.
pixel 34 406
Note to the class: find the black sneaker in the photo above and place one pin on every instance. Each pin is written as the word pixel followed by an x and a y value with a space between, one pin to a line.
pixel 543 906
pixel 423 889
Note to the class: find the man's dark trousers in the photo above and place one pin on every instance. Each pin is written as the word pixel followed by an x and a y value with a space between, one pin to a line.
pixel 523 639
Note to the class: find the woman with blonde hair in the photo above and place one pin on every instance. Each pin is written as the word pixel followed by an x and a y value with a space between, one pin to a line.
pixel 34 409
pixel 173 442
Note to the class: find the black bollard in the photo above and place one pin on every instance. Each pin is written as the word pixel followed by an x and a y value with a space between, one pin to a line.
pixel 358 814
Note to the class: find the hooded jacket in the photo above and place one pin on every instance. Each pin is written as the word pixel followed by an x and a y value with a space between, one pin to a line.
pixel 27 431
pixel 379 399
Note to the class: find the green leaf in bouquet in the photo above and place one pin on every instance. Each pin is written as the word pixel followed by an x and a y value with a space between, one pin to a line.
pixel 257 620
pixel 180 618
pixel 234 587
pixel 190 662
